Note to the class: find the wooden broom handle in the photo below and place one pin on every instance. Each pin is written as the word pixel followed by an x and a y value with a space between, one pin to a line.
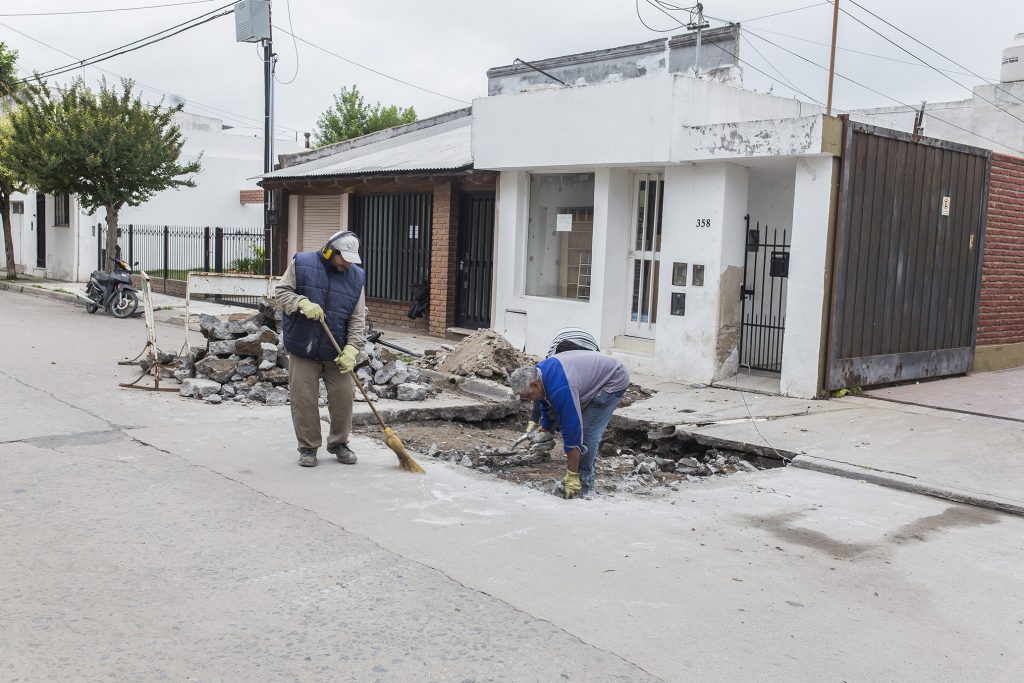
pixel 352 374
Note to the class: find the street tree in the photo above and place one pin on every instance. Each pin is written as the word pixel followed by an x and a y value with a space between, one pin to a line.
pixel 9 182
pixel 351 116
pixel 107 147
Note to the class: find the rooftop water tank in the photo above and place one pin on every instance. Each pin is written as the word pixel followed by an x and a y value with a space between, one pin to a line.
pixel 1013 61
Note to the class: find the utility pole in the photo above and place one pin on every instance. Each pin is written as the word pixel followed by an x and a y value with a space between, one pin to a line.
pixel 832 59
pixel 252 25
pixel 697 23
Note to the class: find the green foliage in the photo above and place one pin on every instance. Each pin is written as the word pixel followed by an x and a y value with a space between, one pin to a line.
pixel 107 147
pixel 351 117
pixel 252 264
pixel 9 81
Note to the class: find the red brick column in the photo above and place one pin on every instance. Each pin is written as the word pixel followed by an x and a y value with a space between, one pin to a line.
pixel 1001 312
pixel 444 239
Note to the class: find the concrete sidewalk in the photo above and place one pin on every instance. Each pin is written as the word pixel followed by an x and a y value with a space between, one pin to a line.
pixel 960 439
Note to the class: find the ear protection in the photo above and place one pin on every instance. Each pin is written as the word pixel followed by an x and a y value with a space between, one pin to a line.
pixel 328 251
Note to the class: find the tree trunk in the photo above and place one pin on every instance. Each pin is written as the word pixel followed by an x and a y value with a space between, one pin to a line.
pixel 112 250
pixel 5 214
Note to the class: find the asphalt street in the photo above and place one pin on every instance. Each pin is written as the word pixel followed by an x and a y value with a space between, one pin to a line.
pixel 150 537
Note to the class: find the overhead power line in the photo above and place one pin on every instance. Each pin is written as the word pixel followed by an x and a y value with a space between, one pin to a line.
pixel 102 11
pixel 370 69
pixel 881 94
pixel 138 44
pixel 866 54
pixel 925 45
pixel 222 113
pixel 779 14
pixel 786 83
pixel 118 51
pixel 936 70
pixel 825 68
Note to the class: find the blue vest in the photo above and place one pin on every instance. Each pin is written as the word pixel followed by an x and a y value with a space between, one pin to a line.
pixel 337 292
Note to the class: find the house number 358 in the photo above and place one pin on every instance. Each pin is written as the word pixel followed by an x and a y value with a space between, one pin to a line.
pixel 703 222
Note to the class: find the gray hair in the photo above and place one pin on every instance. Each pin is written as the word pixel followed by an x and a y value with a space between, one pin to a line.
pixel 521 378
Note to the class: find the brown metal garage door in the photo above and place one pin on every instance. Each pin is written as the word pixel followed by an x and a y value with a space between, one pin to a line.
pixel 321 218
pixel 907 258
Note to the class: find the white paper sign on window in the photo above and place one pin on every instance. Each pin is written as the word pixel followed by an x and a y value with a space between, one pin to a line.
pixel 563 222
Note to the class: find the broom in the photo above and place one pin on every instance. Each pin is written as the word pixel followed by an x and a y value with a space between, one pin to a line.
pixel 405 460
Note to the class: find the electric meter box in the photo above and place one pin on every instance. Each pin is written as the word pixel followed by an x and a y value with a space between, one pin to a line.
pixel 252 21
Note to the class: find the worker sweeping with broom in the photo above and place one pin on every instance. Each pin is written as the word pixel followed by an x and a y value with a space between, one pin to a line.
pixel 322 296
pixel 325 285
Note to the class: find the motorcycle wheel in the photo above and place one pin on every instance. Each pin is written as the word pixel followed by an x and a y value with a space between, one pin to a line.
pixel 91 308
pixel 124 305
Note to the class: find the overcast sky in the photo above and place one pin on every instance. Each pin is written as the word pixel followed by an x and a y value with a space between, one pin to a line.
pixel 448 45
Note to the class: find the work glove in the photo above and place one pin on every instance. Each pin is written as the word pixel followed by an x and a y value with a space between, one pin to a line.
pixel 571 484
pixel 311 310
pixel 347 360
pixel 530 426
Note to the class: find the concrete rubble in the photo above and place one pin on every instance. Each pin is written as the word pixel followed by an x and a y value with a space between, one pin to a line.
pixel 245 361
pixel 486 354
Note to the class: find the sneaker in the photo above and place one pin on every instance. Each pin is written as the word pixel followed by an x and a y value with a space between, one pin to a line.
pixel 343 453
pixel 307 457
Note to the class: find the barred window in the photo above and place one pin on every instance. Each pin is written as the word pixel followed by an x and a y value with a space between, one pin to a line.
pixel 61 209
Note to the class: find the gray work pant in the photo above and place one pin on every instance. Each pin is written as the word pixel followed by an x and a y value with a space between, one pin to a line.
pixel 304 385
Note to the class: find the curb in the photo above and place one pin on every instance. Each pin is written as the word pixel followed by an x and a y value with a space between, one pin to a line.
pixel 905 482
pixel 38 291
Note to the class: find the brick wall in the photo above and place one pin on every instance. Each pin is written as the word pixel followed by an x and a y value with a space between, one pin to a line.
pixel 392 314
pixel 250 196
pixel 161 286
pixel 1001 313
pixel 444 241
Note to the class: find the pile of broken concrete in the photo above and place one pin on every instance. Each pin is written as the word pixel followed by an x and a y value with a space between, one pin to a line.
pixel 245 361
pixel 485 354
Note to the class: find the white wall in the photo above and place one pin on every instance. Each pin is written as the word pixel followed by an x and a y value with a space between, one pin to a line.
pixel 807 314
pixel 639 121
pixel 995 129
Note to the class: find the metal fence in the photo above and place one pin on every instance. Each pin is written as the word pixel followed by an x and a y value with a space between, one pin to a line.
pixel 170 252
pixel 395 230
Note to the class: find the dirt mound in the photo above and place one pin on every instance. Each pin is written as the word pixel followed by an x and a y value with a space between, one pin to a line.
pixel 484 354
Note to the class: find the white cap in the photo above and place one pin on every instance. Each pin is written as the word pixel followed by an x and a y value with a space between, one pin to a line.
pixel 347 245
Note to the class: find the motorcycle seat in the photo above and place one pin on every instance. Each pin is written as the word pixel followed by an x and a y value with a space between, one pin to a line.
pixel 101 276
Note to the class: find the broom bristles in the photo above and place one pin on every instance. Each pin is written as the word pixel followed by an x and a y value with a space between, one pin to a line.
pixel 405 461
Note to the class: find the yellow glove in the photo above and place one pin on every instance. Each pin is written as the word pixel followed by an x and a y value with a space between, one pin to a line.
pixel 347 360
pixel 530 426
pixel 311 310
pixel 571 482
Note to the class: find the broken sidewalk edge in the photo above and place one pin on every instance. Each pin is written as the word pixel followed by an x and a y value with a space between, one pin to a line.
pixel 909 483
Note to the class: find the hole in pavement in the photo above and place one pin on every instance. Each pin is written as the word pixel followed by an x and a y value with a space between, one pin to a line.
pixel 632 461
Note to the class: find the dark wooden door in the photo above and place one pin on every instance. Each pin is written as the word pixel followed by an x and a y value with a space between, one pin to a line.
pixel 907 269
pixel 474 260
pixel 40 230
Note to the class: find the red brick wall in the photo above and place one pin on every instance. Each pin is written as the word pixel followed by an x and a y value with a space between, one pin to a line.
pixel 392 314
pixel 1001 313
pixel 442 259
pixel 250 196
pixel 161 286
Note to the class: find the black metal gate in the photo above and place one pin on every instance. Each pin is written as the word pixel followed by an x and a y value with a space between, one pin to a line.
pixel 908 247
pixel 395 234
pixel 765 284
pixel 40 230
pixel 475 260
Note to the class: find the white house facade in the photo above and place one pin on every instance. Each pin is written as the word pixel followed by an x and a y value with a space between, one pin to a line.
pixel 628 208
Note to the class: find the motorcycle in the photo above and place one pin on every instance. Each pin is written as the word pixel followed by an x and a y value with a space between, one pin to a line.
pixel 112 291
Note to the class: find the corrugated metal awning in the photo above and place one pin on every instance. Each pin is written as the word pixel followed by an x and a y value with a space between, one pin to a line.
pixel 444 147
